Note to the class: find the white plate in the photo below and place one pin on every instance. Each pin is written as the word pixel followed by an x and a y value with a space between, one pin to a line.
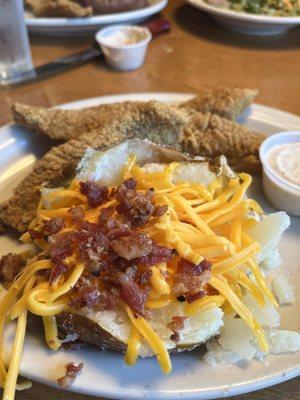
pixel 89 25
pixel 105 373
pixel 250 24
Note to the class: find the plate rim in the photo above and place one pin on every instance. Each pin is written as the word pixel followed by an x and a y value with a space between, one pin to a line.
pixel 269 379
pixel 242 16
pixel 97 19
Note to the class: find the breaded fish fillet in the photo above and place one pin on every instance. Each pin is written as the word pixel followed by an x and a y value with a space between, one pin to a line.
pixel 69 124
pixel 58 8
pixel 197 133
pixel 211 135
pixel 226 102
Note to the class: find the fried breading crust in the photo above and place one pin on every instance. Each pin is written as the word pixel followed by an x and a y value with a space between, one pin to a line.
pixel 58 8
pixel 211 135
pixel 157 122
pixel 226 102
pixel 199 134
pixel 69 124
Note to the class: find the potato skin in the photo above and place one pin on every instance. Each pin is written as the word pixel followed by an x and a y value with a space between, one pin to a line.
pixel 88 331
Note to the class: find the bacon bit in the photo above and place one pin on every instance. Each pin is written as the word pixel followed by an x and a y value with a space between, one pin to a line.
pixel 130 183
pixel 144 277
pixel 73 345
pixel 53 225
pixel 191 278
pixel 95 193
pixel 136 207
pixel 71 373
pixel 158 255
pixel 58 269
pixel 77 214
pixel 85 296
pixel 61 246
pixel 133 294
pixel 206 265
pixel 188 268
pixel 134 246
pixel 105 214
pixel 159 211
pixel 91 242
pixel 176 325
pixel 34 234
pixel 175 337
pixel 10 266
pixel 191 297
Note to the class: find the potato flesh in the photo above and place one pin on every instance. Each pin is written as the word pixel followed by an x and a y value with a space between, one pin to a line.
pixel 198 328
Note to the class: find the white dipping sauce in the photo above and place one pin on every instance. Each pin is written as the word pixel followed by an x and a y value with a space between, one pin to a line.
pixel 284 160
pixel 124 37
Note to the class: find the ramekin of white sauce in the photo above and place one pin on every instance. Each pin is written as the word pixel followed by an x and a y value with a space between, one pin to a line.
pixel 124 46
pixel 280 157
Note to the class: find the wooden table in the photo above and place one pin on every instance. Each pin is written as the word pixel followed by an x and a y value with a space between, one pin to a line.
pixel 196 54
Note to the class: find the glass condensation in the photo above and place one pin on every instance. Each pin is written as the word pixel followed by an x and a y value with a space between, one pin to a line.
pixel 15 55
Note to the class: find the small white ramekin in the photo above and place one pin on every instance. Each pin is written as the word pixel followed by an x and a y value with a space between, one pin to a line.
pixel 281 194
pixel 124 57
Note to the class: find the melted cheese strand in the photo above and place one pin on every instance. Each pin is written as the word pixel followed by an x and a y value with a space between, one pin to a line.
pixel 133 346
pixel 242 278
pixel 240 309
pixel 9 298
pixel 45 309
pixel 180 202
pixel 154 304
pixel 158 281
pixel 235 234
pixel 261 281
pixel 206 303
pixel 14 365
pixel 221 199
pixel 237 212
pixel 152 339
pixel 16 353
pixel 51 332
pixel 235 260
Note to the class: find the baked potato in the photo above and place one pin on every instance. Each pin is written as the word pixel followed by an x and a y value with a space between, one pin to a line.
pixel 111 329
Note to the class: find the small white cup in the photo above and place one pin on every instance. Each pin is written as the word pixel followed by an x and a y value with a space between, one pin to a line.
pixel 125 46
pixel 281 193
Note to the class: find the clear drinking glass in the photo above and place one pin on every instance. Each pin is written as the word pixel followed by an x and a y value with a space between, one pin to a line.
pixel 15 55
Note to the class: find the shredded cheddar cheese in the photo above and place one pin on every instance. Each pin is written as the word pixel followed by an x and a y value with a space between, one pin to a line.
pixel 201 223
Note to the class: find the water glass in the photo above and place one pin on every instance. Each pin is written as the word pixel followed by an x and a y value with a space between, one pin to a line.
pixel 15 55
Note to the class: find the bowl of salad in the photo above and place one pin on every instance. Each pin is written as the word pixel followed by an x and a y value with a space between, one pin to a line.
pixel 252 17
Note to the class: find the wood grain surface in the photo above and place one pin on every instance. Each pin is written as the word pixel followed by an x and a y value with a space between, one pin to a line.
pixel 196 54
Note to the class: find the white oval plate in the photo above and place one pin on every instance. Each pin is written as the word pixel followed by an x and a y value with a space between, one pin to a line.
pixel 104 373
pixel 89 25
pixel 250 24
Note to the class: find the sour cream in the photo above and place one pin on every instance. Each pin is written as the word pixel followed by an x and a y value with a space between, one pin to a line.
pixel 284 160
pixel 124 47
pixel 280 157
pixel 125 37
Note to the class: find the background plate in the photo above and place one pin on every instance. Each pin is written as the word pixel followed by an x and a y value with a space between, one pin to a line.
pixel 249 24
pixel 105 373
pixel 89 25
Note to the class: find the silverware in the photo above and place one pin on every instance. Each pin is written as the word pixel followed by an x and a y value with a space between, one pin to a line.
pixel 157 26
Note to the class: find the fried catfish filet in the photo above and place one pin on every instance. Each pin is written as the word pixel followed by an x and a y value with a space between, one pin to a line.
pixel 197 133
